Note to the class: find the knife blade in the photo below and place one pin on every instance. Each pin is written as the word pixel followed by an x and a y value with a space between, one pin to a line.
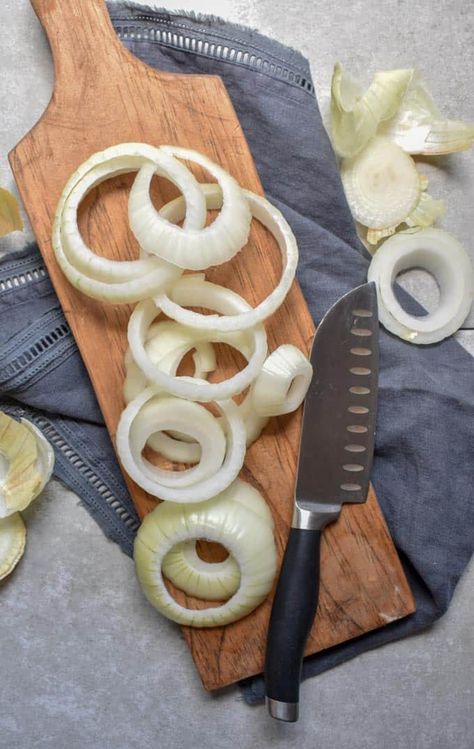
pixel 335 460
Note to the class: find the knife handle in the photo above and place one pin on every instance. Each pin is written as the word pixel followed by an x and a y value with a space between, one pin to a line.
pixel 293 611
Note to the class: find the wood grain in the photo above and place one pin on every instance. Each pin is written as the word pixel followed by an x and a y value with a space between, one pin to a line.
pixel 103 95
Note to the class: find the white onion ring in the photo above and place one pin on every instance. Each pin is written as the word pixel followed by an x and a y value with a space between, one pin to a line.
pixel 171 301
pixel 248 538
pixel 445 258
pixel 281 386
pixel 175 446
pixel 213 581
pixel 132 461
pixel 188 248
pixel 216 298
pixel 199 423
pixel 114 280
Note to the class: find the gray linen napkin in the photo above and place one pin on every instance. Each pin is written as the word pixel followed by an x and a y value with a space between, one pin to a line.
pixel 424 446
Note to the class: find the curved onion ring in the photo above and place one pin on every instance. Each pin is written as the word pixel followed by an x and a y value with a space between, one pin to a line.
pixel 281 386
pixel 200 424
pixel 446 259
pixel 171 301
pixel 212 581
pixel 167 335
pixel 30 461
pixel 12 543
pixel 129 449
pixel 217 298
pixel 248 538
pixel 112 280
pixel 187 248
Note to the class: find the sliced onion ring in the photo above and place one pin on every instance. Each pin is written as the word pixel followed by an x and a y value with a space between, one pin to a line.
pixel 439 253
pixel 213 581
pixel 187 248
pixel 173 302
pixel 112 280
pixel 248 538
pixel 212 296
pixel 194 420
pixel 129 451
pixel 281 386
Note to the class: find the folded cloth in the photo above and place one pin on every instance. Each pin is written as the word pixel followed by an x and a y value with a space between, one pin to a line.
pixel 422 469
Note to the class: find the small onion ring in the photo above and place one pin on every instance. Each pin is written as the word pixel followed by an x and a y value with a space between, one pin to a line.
pixel 112 280
pixel 171 301
pixel 217 298
pixel 199 424
pixel 212 581
pixel 132 461
pixel 281 386
pixel 188 248
pixel 446 259
pixel 248 538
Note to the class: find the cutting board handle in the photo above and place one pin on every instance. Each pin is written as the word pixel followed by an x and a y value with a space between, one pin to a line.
pixel 82 40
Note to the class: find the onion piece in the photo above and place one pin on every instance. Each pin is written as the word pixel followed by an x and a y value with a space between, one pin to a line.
pixel 29 462
pixel 281 386
pixel 12 542
pixel 355 114
pixel 130 441
pixel 214 297
pixel 212 581
pixel 159 339
pixel 112 280
pixel 382 185
pixel 188 248
pixel 171 301
pixel 419 127
pixel 196 421
pixel 248 538
pixel 445 258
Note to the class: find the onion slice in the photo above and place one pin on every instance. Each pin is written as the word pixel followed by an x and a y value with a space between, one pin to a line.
pixel 188 248
pixel 29 462
pixel 130 440
pixel 382 184
pixel 445 258
pixel 248 538
pixel 113 280
pixel 281 386
pixel 213 581
pixel 218 298
pixel 174 301
pixel 12 543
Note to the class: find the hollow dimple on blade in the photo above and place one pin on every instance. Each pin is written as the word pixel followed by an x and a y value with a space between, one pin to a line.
pixel 339 418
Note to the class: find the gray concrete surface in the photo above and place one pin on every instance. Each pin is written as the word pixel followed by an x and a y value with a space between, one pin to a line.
pixel 85 663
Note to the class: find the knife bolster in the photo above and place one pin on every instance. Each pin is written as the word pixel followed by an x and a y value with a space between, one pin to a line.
pixel 314 520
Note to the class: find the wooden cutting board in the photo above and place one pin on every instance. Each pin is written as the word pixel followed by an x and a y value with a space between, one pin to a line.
pixel 103 95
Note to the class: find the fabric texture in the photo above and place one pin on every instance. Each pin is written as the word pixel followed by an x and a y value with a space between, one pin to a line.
pixel 424 445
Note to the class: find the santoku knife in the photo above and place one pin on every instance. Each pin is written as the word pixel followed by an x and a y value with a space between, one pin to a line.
pixel 334 467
